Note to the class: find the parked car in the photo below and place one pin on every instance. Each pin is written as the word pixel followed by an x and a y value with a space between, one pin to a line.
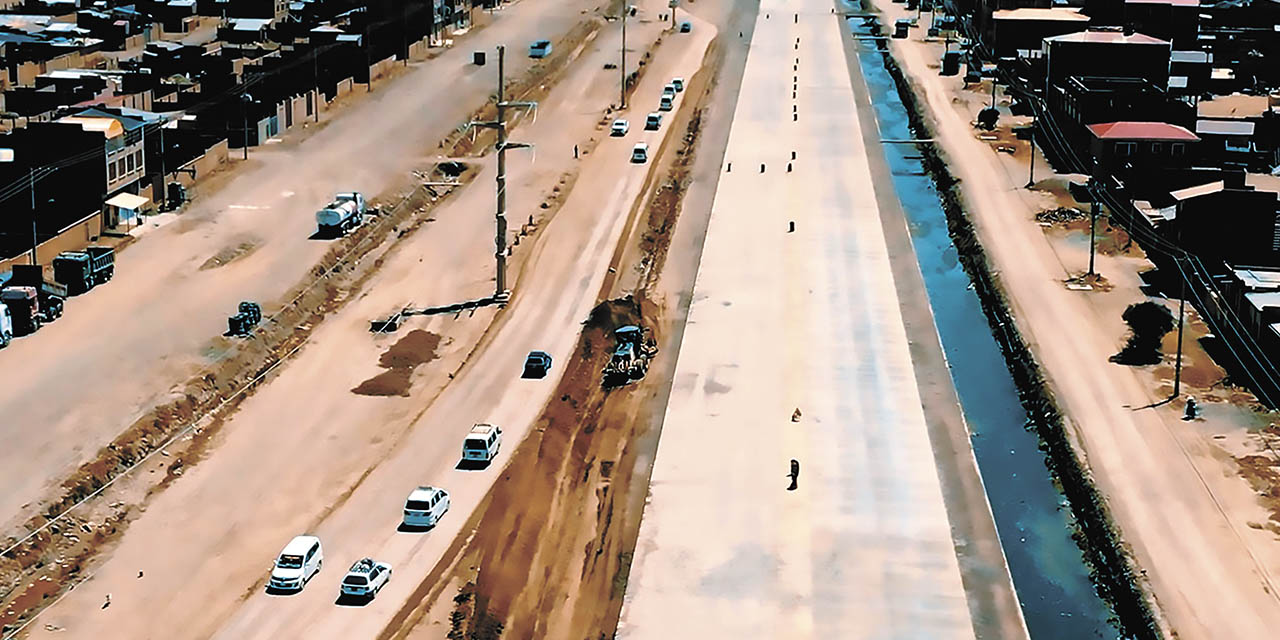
pixel 540 49
pixel 425 506
pixel 366 578
pixel 482 443
pixel 686 27
pixel 297 563
pixel 538 363
pixel 6 327
pixel 620 127
pixel 653 121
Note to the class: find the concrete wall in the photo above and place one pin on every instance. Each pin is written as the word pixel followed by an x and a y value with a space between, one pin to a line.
pixel 77 236
pixel 381 68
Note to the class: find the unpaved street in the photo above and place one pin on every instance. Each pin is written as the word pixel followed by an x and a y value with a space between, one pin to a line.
pixel 1178 503
pixel 307 455
pixel 122 347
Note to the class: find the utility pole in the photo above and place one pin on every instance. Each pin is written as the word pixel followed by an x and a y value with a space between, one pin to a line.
pixel 1093 224
pixel 501 292
pixel 35 241
pixel 1182 303
pixel 622 68
pixel 1031 176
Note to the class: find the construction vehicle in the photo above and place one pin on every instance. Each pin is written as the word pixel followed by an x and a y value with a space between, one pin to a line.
pixel 343 214
pixel 631 355
pixel 24 309
pixel 80 271
pixel 248 315
pixel 50 295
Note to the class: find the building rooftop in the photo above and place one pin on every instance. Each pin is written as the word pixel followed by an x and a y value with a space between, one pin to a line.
pixel 1237 105
pixel 1141 131
pixel 1173 3
pixel 1031 13
pixel 1198 190
pixel 1106 37
pixel 1225 127
pixel 1192 57
pixel 1258 278
pixel 1263 299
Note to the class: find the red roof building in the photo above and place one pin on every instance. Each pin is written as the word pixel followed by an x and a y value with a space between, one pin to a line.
pixel 1142 131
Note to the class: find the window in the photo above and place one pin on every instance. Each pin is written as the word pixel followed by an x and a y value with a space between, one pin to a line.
pixel 111 172
pixel 1178 149
pixel 1157 148
pixel 129 163
pixel 1125 149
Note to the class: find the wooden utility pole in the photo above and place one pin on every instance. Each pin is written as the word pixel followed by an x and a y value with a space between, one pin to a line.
pixel 1182 303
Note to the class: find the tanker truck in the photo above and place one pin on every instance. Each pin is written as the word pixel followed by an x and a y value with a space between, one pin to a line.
pixel 343 214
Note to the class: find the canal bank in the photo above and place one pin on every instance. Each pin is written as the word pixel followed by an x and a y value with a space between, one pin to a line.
pixel 1043 503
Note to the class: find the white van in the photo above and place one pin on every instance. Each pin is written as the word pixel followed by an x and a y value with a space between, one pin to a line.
pixel 6 326
pixel 425 506
pixel 297 563
pixel 482 443
pixel 666 102
pixel 640 153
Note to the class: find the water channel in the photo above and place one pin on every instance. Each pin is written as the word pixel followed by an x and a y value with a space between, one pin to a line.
pixel 1049 571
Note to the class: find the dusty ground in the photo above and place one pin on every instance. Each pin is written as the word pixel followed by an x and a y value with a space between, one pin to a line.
pixel 329 456
pixel 1197 530
pixel 214 386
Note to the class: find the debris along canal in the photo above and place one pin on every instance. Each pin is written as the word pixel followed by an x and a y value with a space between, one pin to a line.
pixel 1049 570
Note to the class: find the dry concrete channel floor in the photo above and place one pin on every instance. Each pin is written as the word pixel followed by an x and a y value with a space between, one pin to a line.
pixel 796 352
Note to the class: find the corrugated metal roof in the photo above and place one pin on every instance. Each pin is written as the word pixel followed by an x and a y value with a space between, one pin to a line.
pixel 1032 13
pixel 1198 190
pixel 1225 127
pixel 1106 37
pixel 128 201
pixel 1175 3
pixel 1255 278
pixel 1141 131
pixel 1190 56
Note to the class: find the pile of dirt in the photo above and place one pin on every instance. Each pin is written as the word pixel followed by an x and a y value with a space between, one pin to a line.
pixel 416 348
pixel 1061 215
pixel 229 254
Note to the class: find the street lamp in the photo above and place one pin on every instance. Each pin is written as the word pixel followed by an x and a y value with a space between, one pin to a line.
pixel 247 100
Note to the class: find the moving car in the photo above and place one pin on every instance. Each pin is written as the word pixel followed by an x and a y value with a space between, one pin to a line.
pixel 482 443
pixel 620 127
pixel 678 83
pixel 670 90
pixel 425 506
pixel 538 363
pixel 366 578
pixel 667 102
pixel 6 326
pixel 653 121
pixel 686 27
pixel 540 49
pixel 297 563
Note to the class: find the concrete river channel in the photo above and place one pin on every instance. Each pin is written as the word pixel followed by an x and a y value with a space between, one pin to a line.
pixel 1049 571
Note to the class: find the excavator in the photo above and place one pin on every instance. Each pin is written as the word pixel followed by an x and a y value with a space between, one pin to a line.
pixel 635 347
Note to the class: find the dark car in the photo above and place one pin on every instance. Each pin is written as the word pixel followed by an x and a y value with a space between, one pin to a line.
pixel 537 364
pixel 686 27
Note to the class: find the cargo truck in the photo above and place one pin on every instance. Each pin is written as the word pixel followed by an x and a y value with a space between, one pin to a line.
pixel 51 295
pixel 80 271
pixel 23 304
pixel 343 214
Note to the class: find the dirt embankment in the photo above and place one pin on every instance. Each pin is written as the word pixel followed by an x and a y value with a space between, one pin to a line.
pixel 1112 567
pixel 56 554
pixel 550 547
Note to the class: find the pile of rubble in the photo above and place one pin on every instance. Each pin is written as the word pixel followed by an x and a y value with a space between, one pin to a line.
pixel 1061 215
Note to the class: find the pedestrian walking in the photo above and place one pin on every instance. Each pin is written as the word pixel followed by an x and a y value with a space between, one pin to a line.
pixel 575 152
pixel 794 475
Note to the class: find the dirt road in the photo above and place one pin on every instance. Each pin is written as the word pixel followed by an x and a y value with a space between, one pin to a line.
pixel 316 458
pixel 1178 503
pixel 120 348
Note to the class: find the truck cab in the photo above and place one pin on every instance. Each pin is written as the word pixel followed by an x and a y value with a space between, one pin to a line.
pixel 23 305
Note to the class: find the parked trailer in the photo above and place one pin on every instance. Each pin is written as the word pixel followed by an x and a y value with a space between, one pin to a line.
pixel 81 271
pixel 51 294
pixel 343 214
